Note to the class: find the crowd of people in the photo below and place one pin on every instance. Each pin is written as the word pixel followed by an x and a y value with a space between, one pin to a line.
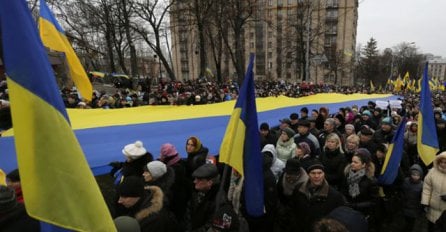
pixel 321 169
pixel 321 172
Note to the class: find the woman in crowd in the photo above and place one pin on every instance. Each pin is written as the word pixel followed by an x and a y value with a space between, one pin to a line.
pixel 196 154
pixel 333 160
pixel 285 146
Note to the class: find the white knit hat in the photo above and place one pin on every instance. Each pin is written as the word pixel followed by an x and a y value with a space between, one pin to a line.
pixel 157 169
pixel 134 150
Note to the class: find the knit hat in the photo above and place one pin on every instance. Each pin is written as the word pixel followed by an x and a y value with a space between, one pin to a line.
pixel 156 168
pixel 387 121
pixel 349 126
pixel 7 199
pixel 367 112
pixel 289 132
pixel 304 147
pixel 134 150
pixel 315 164
pixel 205 171
pixel 292 166
pixel 132 186
pixel 264 126
pixel 169 154
pixel 127 224
pixel 225 219
pixel 294 116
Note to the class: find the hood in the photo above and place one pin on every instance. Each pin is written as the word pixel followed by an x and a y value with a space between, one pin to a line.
pixel 418 168
pixel 437 159
pixel 272 149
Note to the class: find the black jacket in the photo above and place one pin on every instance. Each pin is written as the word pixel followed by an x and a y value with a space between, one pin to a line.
pixel 18 220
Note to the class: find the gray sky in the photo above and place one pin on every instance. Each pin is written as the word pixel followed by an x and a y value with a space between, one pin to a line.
pixel 391 22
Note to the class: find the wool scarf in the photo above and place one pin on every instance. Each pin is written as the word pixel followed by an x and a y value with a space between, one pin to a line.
pixel 353 179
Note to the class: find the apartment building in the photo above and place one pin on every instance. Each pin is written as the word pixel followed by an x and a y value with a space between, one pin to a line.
pixel 283 34
pixel 437 69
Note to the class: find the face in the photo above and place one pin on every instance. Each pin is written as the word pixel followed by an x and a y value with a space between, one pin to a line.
pixel 328 126
pixel 331 144
pixel 147 176
pixel 386 127
pixel 128 201
pixel 357 164
pixel 314 114
pixel 415 177
pixel 414 128
pixel 302 130
pixel 380 154
pixel 365 138
pixel 284 136
pixel 349 131
pixel 264 132
pixel 190 146
pixel 317 177
pixel 442 163
pixel 291 178
pixel 299 152
pixel 351 145
pixel 202 185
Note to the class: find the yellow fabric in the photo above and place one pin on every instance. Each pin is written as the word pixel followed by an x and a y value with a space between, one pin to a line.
pixel 387 158
pixel 372 87
pixel 2 177
pixel 427 153
pixel 53 39
pixel 232 146
pixel 91 118
pixel 58 185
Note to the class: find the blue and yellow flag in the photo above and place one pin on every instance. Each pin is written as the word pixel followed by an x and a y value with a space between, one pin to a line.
pixel 372 86
pixel 2 177
pixel 53 37
pixel 393 156
pixel 240 148
pixel 427 140
pixel 58 185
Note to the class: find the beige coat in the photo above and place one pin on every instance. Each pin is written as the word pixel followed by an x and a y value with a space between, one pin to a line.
pixel 435 186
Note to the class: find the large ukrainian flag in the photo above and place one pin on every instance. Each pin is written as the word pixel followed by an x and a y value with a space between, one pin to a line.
pixel 240 148
pixel 53 37
pixel 427 140
pixel 58 185
pixel 393 156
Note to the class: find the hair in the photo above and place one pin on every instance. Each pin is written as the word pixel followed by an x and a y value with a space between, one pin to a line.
pixel 195 141
pixel 329 225
pixel 354 138
pixel 334 136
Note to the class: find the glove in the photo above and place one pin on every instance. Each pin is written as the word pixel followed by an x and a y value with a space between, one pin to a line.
pixel 116 165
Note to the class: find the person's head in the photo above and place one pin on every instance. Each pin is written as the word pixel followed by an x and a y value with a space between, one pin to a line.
pixel 264 129
pixel 284 123
pixel 193 144
pixel 329 124
pixel 314 113
pixel 361 159
pixel 303 112
pixel 416 174
pixel 13 179
pixel 316 173
pixel 134 151
pixel 352 142
pixel 366 134
pixel 126 224
pixel 169 154
pixel 294 118
pixel 154 170
pixel 366 114
pixel 302 149
pixel 324 112
pixel 413 127
pixel 292 170
pixel 286 134
pixel 440 162
pixel 329 225
pixel 386 124
pixel 303 127
pixel 205 177
pixel 381 151
pixel 349 129
pixel 332 142
pixel 7 199
pixel 130 191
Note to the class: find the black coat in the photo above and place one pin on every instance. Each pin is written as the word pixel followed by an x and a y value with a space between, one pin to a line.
pixel 151 212
pixel 196 159
pixel 18 220
pixel 181 189
pixel 202 208
pixel 334 163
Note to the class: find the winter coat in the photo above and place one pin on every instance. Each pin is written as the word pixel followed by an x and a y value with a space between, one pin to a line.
pixel 412 194
pixel 196 159
pixel 368 191
pixel 277 164
pixel 381 136
pixel 270 138
pixel 434 186
pixel 285 150
pixel 311 140
pixel 334 163
pixel 165 183
pixel 310 206
pixel 181 189
pixel 201 208
pixel 18 220
pixel 151 212
pixel 136 166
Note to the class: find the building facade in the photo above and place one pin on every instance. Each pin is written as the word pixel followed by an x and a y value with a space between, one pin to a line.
pixel 437 69
pixel 293 40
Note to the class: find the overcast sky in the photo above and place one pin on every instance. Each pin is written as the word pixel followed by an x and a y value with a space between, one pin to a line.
pixel 391 22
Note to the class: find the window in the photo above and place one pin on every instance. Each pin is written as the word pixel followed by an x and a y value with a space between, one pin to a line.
pixel 270 2
pixel 251 45
pixel 332 13
pixel 270 44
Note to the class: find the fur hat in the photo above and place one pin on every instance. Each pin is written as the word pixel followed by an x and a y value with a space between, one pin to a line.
pixel 169 154
pixel 289 132
pixel 7 199
pixel 132 186
pixel 127 224
pixel 134 150
pixel 156 168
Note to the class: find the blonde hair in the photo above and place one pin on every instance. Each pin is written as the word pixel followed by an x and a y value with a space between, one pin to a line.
pixel 334 136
